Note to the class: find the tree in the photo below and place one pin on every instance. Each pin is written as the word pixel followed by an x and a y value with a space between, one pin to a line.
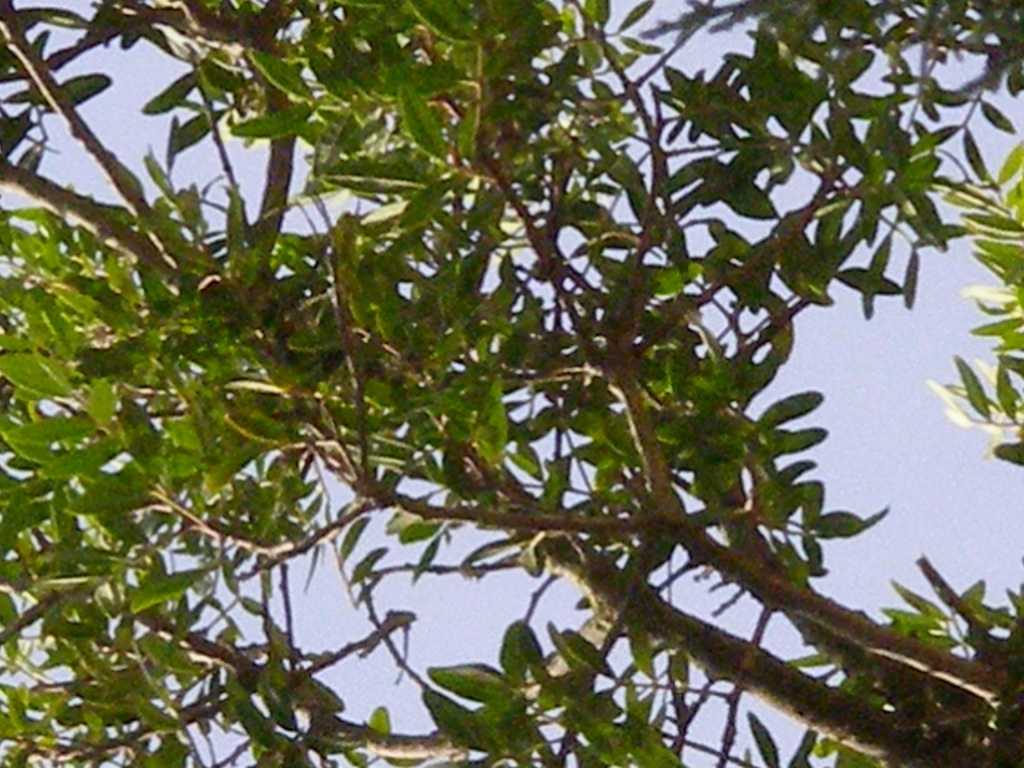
pixel 562 270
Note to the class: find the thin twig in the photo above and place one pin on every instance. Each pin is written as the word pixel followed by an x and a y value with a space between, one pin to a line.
pixel 393 621
pixel 736 694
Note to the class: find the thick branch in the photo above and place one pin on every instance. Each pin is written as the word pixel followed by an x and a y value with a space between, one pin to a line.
pixel 275 196
pixel 803 604
pixel 846 718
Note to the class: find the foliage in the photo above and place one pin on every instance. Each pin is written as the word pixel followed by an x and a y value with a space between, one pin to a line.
pixel 994 216
pixel 516 272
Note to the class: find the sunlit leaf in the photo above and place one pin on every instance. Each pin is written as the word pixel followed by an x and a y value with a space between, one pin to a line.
pixel 39 375
pixel 162 588
pixel 283 122
pixel 380 721
pixel 476 682
pixel 449 18
pixel 282 74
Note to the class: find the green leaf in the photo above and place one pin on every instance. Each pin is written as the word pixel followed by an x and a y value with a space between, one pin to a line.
pixel 351 538
pixel 910 279
pixel 1006 394
pixel 448 18
pixel 254 385
pixel 997 118
pixel 364 569
pixel 1012 165
pixel 172 96
pixel 13 131
pixel 994 225
pixel 867 282
pixel 751 201
pixel 801 758
pixel 520 651
pixel 765 743
pixel 642 649
pixel 292 121
pixel 372 185
pixel 598 11
pixel 974 158
pixel 418 530
pixel 411 528
pixel 380 721
pixel 39 375
pixel 920 604
pixel 843 525
pixel 47 431
pixel 427 558
pixel 636 14
pixel 84 87
pixel 492 425
pixel 880 258
pixel 256 724
pixel 790 408
pixel 459 723
pixel 185 135
pixel 101 402
pixel 973 387
pixel 578 652
pixel 229 463
pixel 282 75
pixel 163 588
pixel 476 682
pixel 1011 452
pixel 784 441
pixel 422 123
pixel 86 462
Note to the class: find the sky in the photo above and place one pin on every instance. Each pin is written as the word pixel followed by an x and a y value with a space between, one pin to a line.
pixel 889 446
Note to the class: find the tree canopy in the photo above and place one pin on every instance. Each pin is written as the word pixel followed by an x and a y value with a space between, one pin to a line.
pixel 502 301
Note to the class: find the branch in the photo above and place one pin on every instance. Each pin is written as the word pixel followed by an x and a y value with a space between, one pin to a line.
pixel 100 220
pixel 395 746
pixel 803 605
pixel 192 21
pixel 800 604
pixel 488 517
pixel 54 95
pixel 275 197
pixel 845 718
pixel 327 734
pixel 31 615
